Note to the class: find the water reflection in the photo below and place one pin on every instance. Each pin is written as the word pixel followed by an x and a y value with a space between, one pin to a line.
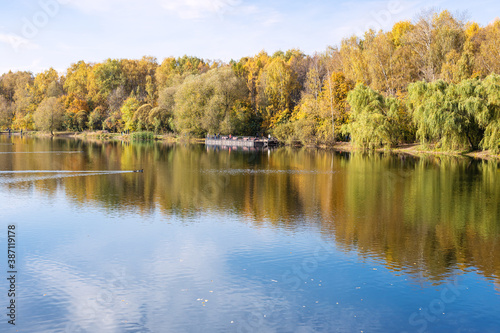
pixel 428 216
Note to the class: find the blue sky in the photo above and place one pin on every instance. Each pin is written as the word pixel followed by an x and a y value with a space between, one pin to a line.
pixel 38 34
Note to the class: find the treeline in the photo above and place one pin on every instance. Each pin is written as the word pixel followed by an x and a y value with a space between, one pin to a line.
pixel 431 80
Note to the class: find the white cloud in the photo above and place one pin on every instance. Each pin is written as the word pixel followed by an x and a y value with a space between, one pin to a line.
pixel 92 6
pixel 185 9
pixel 34 66
pixel 17 42
pixel 193 9
pixel 271 18
pixel 377 15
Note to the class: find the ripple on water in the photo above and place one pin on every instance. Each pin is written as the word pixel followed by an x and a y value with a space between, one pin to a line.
pixel 52 174
pixel 269 171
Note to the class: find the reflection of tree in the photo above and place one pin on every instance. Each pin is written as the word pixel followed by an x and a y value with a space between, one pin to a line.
pixel 423 215
pixel 427 215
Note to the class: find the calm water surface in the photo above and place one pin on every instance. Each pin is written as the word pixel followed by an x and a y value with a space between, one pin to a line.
pixel 209 240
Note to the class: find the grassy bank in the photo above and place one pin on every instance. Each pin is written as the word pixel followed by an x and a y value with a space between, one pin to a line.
pixel 419 150
pixel 135 136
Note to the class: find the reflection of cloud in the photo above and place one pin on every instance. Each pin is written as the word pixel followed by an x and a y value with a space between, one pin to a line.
pixel 165 290
pixel 88 303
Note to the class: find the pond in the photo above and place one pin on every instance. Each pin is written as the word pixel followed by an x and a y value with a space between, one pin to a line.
pixel 228 240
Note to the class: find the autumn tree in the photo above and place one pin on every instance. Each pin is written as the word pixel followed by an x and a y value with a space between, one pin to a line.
pixel 449 38
pixel 404 68
pixel 173 71
pixel 380 57
pixel 141 118
pixel 49 115
pixel 6 113
pixel 251 71
pixel 190 100
pixel 11 81
pixel 161 116
pixel 334 106
pixel 96 118
pixel 77 79
pixel 227 103
pixel 116 98
pixel 76 112
pixel 278 83
pixel 113 123
pixel 139 76
pixel 488 61
pixel 42 82
pixel 354 63
pixel 24 102
pixel 107 77
pixel 55 89
pixel 299 64
pixel 210 103
pixel 127 111
pixel 432 38
pixel 290 94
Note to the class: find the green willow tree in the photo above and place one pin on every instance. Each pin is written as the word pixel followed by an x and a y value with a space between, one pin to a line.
pixel 375 121
pixel 457 116
pixel 488 116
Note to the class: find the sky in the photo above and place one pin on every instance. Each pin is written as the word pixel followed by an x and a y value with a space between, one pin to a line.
pixel 38 34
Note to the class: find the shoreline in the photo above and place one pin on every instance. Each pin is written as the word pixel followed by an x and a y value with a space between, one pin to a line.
pixel 413 149
pixel 417 149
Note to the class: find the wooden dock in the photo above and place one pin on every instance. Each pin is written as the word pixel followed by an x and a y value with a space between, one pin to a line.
pixel 239 141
